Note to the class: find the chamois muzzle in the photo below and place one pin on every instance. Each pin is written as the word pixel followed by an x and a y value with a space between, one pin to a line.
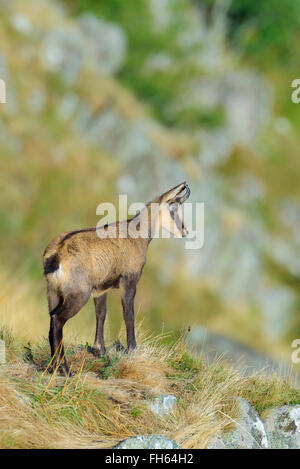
pixel 185 196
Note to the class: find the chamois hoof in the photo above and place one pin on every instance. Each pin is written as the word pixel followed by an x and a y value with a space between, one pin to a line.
pixel 65 373
pixel 61 371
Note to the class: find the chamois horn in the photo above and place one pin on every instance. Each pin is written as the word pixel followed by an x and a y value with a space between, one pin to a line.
pixel 185 196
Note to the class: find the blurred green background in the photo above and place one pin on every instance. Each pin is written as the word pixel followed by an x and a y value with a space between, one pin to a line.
pixel 111 96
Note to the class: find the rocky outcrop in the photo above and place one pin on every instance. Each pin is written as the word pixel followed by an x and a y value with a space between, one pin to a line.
pixel 279 430
pixel 245 359
pixel 108 42
pixel 65 50
pixel 163 404
pixel 147 442
pixel 249 431
pixel 282 426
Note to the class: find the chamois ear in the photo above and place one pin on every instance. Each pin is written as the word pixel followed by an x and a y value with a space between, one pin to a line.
pixel 172 195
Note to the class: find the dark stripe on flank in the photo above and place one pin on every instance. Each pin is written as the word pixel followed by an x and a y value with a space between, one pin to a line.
pixel 72 233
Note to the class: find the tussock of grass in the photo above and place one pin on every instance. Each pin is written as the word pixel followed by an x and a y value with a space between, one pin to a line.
pixel 106 400
pixel 265 394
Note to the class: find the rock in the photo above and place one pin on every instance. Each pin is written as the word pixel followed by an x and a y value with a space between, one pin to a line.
pixel 289 214
pixel 241 357
pixel 215 147
pixel 247 100
pixel 108 129
pixel 285 249
pixel 141 159
pixel 250 189
pixel 162 13
pixel 240 264
pixel 282 426
pixel 217 443
pixel 249 432
pixel 147 442
pixel 37 100
pixel 107 40
pixel 159 61
pixel 163 404
pixel 286 254
pixel 2 352
pixel 67 105
pixel 3 68
pixel 62 52
pixel 278 304
pixel 22 24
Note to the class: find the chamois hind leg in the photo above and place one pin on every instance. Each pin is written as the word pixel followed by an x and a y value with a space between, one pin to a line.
pixel 128 290
pixel 59 316
pixel 100 308
pixel 54 303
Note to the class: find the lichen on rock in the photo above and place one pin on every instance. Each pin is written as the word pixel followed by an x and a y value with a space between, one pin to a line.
pixel 282 426
pixel 147 442
pixel 249 431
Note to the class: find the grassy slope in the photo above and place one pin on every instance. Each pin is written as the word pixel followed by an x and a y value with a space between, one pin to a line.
pixel 105 401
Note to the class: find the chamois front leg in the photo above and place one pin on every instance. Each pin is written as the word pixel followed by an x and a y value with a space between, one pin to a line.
pixel 128 290
pixel 100 308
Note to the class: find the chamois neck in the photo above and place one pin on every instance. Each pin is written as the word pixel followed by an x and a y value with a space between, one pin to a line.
pixel 145 222
pixel 152 218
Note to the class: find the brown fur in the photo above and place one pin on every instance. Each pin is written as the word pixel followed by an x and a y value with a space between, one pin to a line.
pixel 80 264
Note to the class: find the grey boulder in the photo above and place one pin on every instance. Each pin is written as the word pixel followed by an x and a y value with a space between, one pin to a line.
pixel 162 404
pixel 282 426
pixel 147 442
pixel 249 431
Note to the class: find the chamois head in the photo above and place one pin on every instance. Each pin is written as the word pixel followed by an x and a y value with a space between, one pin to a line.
pixel 170 213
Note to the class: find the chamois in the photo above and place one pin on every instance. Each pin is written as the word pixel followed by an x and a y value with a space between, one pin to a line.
pixel 84 263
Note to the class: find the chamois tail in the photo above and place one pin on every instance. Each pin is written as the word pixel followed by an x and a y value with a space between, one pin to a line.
pixel 51 264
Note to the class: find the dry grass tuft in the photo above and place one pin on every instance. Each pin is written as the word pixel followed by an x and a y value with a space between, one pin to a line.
pixel 106 400
pixel 144 370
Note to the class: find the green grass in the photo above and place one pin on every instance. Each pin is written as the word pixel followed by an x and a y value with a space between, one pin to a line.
pixel 105 401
